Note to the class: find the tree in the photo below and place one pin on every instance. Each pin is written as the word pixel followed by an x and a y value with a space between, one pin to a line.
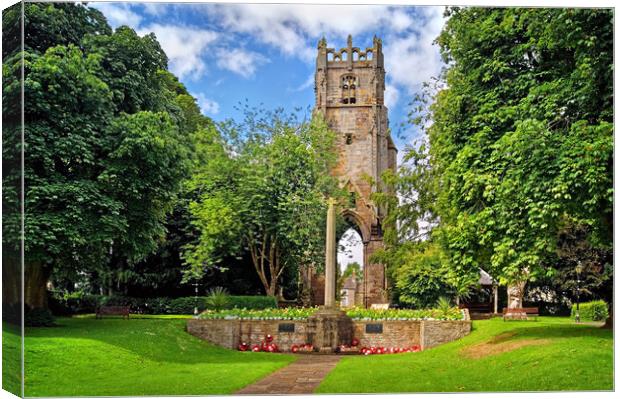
pixel 521 136
pixel 99 181
pixel 263 191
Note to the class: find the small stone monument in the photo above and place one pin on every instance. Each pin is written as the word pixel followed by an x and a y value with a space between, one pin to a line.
pixel 330 327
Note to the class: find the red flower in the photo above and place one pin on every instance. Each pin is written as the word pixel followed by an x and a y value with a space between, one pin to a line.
pixel 268 337
pixel 255 348
pixel 355 342
pixel 294 348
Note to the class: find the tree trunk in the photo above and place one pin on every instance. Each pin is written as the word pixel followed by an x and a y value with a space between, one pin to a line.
pixel 11 279
pixel 36 276
pixel 609 323
pixel 515 294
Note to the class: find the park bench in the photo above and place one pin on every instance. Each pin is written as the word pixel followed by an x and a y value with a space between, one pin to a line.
pixel 477 307
pixel 380 306
pixel 517 313
pixel 112 310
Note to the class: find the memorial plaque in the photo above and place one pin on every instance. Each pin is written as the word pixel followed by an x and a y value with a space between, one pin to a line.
pixel 376 328
pixel 286 327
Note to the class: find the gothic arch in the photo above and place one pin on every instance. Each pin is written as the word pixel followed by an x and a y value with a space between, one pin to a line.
pixel 357 223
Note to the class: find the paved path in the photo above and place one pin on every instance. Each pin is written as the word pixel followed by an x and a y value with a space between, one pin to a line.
pixel 302 376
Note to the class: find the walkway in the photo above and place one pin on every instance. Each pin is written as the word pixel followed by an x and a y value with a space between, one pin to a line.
pixel 302 376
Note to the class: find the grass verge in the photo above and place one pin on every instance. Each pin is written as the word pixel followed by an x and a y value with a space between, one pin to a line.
pixel 550 354
pixel 145 356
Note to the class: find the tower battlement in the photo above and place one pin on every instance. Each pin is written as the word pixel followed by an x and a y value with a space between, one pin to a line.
pixel 346 56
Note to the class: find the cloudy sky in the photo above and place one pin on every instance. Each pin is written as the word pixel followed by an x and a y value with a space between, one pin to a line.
pixel 265 53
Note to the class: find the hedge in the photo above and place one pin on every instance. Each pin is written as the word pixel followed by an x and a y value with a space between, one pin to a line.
pixel 591 311
pixel 76 303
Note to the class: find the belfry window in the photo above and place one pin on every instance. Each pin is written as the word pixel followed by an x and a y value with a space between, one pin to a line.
pixel 348 86
pixel 349 138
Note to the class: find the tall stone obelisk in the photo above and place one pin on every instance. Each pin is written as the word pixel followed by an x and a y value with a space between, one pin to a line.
pixel 330 327
pixel 330 255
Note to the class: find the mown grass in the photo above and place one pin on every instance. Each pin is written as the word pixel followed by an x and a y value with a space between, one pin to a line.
pixel 140 356
pixel 560 356
pixel 11 359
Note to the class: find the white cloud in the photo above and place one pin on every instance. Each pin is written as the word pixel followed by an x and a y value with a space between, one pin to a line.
pixel 290 27
pixel 185 47
pixel 412 59
pixel 239 61
pixel 207 106
pixel 118 14
pixel 391 96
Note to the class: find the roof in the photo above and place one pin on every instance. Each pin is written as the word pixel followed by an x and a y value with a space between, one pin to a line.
pixel 350 283
pixel 486 279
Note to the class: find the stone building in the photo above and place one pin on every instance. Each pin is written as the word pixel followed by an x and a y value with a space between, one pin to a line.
pixel 349 88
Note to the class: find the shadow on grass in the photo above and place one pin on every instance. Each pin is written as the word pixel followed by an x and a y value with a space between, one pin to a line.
pixel 561 331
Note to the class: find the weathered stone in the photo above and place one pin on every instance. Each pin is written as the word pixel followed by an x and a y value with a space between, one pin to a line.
pixel 349 88
pixel 329 328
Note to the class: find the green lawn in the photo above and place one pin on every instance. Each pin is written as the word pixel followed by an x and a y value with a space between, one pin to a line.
pixel 559 356
pixel 147 356
pixel 11 355
pixel 155 356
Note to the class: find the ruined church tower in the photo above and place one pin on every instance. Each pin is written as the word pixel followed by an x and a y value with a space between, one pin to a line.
pixel 349 88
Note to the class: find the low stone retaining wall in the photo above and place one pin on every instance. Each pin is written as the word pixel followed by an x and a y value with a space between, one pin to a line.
pixel 386 333
pixel 230 333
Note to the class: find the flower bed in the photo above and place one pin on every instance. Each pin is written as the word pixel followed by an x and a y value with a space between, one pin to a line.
pixel 355 314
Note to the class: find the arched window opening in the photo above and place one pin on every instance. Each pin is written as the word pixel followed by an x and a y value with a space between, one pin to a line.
pixel 350 268
pixel 348 85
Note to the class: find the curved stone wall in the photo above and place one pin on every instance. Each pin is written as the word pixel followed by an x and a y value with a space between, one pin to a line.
pixel 386 333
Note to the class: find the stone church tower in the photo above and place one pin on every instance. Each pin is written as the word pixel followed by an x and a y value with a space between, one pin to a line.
pixel 349 88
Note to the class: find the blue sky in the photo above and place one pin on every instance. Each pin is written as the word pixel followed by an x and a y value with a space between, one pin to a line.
pixel 265 53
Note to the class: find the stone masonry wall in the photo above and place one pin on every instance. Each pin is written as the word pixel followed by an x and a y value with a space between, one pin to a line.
pixel 230 333
pixel 396 333
pixel 437 332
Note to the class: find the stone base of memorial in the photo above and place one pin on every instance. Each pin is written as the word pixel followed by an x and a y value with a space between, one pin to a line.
pixel 326 330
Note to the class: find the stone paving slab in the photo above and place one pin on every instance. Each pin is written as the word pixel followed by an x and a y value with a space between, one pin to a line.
pixel 300 377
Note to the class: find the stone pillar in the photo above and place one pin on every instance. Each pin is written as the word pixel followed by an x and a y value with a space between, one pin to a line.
pixel 495 298
pixel 330 256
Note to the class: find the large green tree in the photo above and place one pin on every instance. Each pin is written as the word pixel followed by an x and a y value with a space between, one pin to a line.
pixel 520 138
pixel 104 142
pixel 263 191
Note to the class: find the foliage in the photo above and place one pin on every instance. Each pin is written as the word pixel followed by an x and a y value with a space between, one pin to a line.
pixel 217 298
pixel 591 311
pixel 263 190
pixel 450 313
pixel 449 368
pixel 421 278
pixel 38 317
pixel 172 362
pixel 443 305
pixel 518 143
pixel 352 268
pixel 109 136
pixel 63 304
pixel 261 314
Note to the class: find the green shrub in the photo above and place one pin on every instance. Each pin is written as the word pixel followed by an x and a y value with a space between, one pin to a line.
pixel 591 311
pixel 252 302
pixel 38 317
pixel 217 299
pixel 65 304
